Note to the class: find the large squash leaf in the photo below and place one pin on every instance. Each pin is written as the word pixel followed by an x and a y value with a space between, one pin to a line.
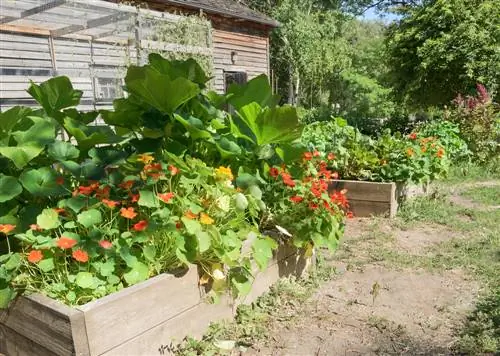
pixel 189 69
pixel 269 125
pixel 256 90
pixel 158 90
pixel 55 94
pixel 11 117
pixel 9 188
pixel 21 155
pixel 89 136
pixel 41 182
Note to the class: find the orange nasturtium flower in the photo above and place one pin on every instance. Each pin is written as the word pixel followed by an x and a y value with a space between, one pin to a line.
pixel 410 152
pixel 307 156
pixel 296 199
pixel 165 197
pixel 141 225
pixel 80 256
pixel 190 215
pixel 7 228
pixel 128 213
pixel 66 243
pixel 105 244
pixel 110 203
pixel 35 256
pixel 274 172
pixel 60 180
pixel 316 154
pixel 173 170
pixel 331 156
pixel 145 158
pixel 127 184
pixel 205 219
pixel 440 153
pixel 412 136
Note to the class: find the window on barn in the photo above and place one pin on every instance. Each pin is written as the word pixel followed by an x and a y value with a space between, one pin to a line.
pixel 234 77
pixel 109 89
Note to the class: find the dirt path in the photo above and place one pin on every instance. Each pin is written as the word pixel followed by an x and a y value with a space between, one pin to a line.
pixel 380 302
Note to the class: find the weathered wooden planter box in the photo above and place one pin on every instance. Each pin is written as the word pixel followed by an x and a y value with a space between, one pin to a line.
pixel 375 198
pixel 140 320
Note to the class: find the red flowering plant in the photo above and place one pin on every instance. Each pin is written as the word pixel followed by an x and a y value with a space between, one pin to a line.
pixel 111 234
pixel 302 203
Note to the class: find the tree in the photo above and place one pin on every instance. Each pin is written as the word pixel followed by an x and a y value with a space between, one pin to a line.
pixel 445 47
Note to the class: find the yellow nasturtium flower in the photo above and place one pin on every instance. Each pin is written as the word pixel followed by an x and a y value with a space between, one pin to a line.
pixel 224 173
pixel 145 158
pixel 205 219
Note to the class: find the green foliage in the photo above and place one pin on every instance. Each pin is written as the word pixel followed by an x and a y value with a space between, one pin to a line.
pixel 443 48
pixel 415 158
pixel 154 189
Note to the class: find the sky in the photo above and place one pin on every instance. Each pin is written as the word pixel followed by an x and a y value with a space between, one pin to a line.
pixel 371 14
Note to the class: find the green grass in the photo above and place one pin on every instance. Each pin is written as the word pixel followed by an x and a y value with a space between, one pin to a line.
pixel 484 195
pixel 469 172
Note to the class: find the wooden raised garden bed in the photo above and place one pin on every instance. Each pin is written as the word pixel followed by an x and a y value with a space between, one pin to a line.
pixel 374 198
pixel 140 320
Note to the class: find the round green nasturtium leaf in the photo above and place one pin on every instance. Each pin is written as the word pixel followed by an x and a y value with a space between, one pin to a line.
pixel 138 273
pixel 48 219
pixel 46 265
pixel 6 295
pixel 241 201
pixel 89 218
pixel 9 188
pixel 13 262
pixel 246 180
pixel 85 280
pixel 256 192
pixel 149 253
pixel 63 151
pixel 41 182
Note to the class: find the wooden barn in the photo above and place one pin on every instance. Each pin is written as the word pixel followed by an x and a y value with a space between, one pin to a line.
pixel 93 41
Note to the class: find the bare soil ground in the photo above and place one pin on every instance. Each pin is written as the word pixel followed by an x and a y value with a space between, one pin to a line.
pixel 374 306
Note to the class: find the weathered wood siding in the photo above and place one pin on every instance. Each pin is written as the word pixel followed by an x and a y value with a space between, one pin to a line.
pixel 252 52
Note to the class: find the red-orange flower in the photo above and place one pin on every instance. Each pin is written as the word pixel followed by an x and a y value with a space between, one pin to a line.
pixel 335 175
pixel 316 154
pixel 141 225
pixel 178 225
pixel 173 170
pixel 105 244
pixel 350 214
pixel 35 256
pixel 313 206
pixel 103 192
pixel 127 184
pixel 287 179
pixel 110 203
pixel 413 136
pixel 85 190
pixel 80 256
pixel 296 199
pixel 66 243
pixel 7 228
pixel 60 180
pixel 190 215
pixel 166 197
pixel 134 198
pixel 60 211
pixel 331 156
pixel 128 213
pixel 274 172
pixel 410 152
pixel 307 156
pixel 440 153
pixel 35 227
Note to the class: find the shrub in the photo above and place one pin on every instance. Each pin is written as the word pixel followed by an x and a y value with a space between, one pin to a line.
pixel 448 134
pixel 478 118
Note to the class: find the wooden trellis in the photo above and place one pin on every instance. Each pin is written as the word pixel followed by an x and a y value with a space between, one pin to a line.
pixel 90 41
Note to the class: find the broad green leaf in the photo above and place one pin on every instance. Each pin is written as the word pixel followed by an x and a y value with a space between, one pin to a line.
pixel 263 251
pixel 48 219
pixel 41 182
pixel 63 151
pixel 89 136
pixel 138 273
pixel 148 199
pixel 241 201
pixel 204 241
pixel 158 90
pixel 107 268
pixel 6 295
pixel 290 153
pixel 246 180
pixel 125 114
pixel 256 90
pixel 125 254
pixel 194 126
pixel 21 155
pixel 76 203
pixel 189 68
pixel 9 118
pixel 89 218
pixel 9 188
pixel 227 148
pixel 85 117
pixel 13 262
pixel 149 253
pixel 46 265
pixel 271 125
pixel 85 280
pixel 55 94
pixel 107 155
pixel 42 132
pixel 255 192
pixel 242 284
pixel 192 226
